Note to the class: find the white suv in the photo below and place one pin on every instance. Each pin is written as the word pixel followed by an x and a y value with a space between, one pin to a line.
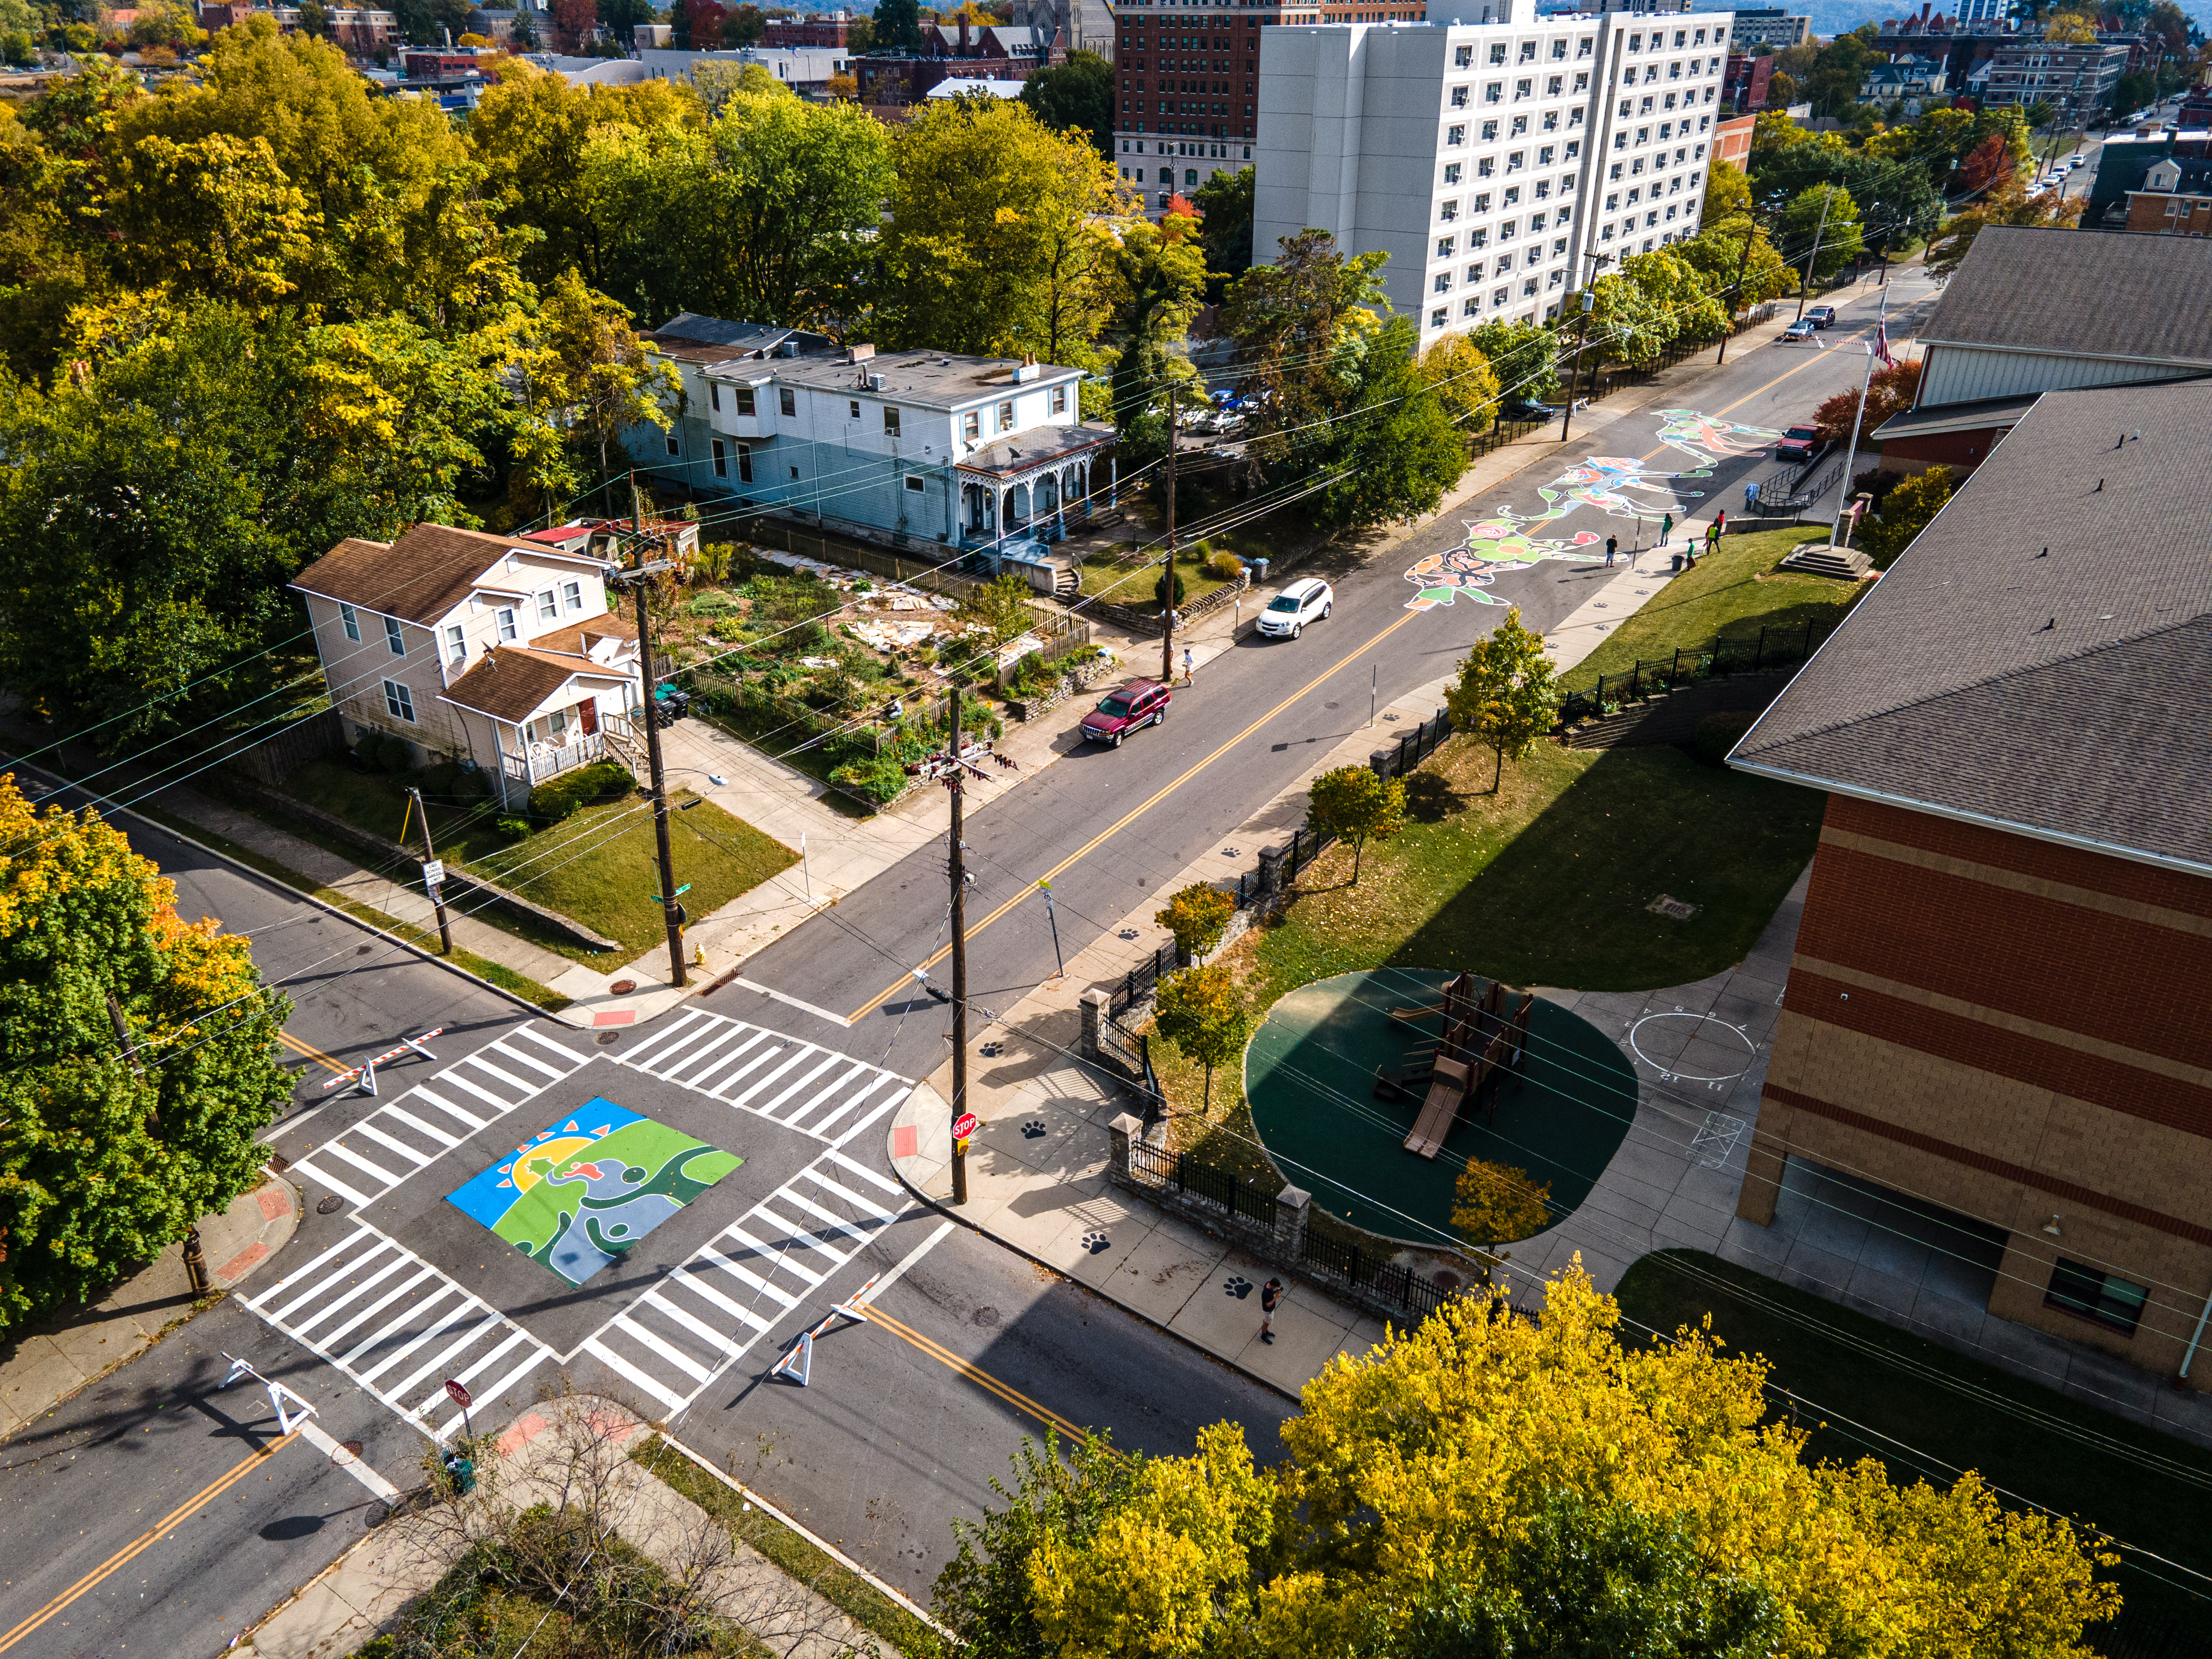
pixel 1309 600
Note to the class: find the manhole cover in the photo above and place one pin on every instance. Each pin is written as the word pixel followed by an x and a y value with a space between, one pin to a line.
pixel 352 1447
pixel 329 1203
pixel 605 1037
pixel 985 1317
pixel 1328 705
pixel 622 988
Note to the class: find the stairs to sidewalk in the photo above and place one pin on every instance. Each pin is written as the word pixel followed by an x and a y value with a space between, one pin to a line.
pixel 1819 559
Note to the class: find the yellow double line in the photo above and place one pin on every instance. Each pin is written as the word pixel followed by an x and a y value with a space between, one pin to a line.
pixel 1135 813
pixel 132 1551
pixel 311 1052
pixel 975 1374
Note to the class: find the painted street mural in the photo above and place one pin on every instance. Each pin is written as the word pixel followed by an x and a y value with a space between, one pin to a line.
pixel 586 1188
pixel 1616 486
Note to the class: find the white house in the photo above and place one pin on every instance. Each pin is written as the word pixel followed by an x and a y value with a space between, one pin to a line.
pixel 497 650
pixel 907 446
pixel 1501 165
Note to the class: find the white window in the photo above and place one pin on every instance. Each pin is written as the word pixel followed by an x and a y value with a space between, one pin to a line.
pixel 852 406
pixel 714 397
pixel 745 400
pixel 399 702
pixel 1459 97
pixel 1520 126
pixel 1447 212
pixel 1490 132
pixel 1437 319
pixel 916 484
pixel 746 464
pixel 891 423
pixel 349 619
pixel 1462 56
pixel 1451 172
pixel 1440 285
pixel 1006 416
pixel 507 628
pixel 1559 49
pixel 1481 205
pixel 393 639
pixel 572 597
pixel 1456 135
pixel 971 425
pixel 547 608
pixel 1494 92
pixel 786 400
pixel 1485 166
pixel 556 723
pixel 1553 85
pixel 1060 400
pixel 674 447
pixel 1583 46
pixel 1523 89
pixel 1474 273
pixel 457 645
pixel 1497 52
pixel 721 460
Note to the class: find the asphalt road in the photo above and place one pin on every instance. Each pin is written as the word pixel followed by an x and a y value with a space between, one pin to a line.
pixel 901 1430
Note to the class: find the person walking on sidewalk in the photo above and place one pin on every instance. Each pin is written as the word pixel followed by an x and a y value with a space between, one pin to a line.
pixel 1751 495
pixel 1611 547
pixel 1666 528
pixel 1189 676
pixel 1270 1294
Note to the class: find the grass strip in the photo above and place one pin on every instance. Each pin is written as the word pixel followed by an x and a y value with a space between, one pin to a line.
pixel 822 1572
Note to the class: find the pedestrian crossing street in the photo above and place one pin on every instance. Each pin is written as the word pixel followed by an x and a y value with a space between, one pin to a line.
pixel 363 1162
pixel 774 1259
pixel 815 1091
pixel 399 1328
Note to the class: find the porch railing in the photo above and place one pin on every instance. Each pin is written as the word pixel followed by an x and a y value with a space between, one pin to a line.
pixel 541 761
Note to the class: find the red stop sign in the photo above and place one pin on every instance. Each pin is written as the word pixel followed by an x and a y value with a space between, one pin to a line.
pixel 964 1126
pixel 457 1394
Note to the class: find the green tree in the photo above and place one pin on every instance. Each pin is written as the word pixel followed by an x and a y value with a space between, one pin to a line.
pixel 999 610
pixel 139 1061
pixel 1077 95
pixel 1828 212
pixel 999 241
pixel 1157 280
pixel 1394 449
pixel 1728 192
pixel 1197 915
pixel 1494 1204
pixel 1781 90
pixel 1524 355
pixel 585 379
pixel 896 27
pixel 1905 512
pixel 1353 804
pixel 1204 1012
pixel 1224 209
pixel 1718 255
pixel 1465 385
pixel 1507 693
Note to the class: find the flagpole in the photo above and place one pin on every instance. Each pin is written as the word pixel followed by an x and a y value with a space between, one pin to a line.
pixel 1881 340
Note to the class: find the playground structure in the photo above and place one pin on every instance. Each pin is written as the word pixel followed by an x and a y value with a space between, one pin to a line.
pixel 1479 1042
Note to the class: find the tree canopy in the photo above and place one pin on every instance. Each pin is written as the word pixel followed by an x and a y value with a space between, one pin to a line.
pixel 1077 95
pixel 1507 693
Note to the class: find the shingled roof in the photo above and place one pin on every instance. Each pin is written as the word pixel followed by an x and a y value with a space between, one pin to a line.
pixel 2081 292
pixel 511 683
pixel 419 577
pixel 2038 659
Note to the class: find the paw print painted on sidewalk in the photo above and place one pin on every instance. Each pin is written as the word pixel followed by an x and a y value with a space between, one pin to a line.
pixel 1129 933
pixel 1238 1286
pixel 992 1051
pixel 1096 1243
pixel 1034 1129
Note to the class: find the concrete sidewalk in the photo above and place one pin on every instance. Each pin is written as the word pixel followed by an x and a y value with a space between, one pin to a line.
pixel 47 1364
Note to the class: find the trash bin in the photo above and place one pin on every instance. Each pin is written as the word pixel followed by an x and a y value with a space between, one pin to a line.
pixel 1259 568
pixel 1678 564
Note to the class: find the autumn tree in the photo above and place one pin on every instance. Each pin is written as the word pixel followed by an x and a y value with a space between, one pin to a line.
pixel 1197 915
pixel 1156 280
pixel 1494 1204
pixel 1485 1485
pixel 2009 203
pixel 1987 163
pixel 139 1060
pixel 1507 695
pixel 1205 1013
pixel 1889 391
pixel 1353 804
pixel 585 379
pixel 1465 385
pixel 1905 512
pixel 1524 355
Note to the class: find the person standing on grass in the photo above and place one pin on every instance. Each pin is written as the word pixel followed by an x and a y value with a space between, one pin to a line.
pixel 1270 1294
pixel 1611 547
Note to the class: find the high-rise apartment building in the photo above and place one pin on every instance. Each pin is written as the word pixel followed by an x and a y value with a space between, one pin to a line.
pixel 1501 165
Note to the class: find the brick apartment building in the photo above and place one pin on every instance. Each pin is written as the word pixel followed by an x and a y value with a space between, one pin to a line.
pixel 2000 1002
pixel 2077 81
pixel 2175 200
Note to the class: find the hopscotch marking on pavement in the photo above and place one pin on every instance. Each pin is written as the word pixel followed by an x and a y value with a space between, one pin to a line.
pixel 673 1341
pixel 363 1162
pixel 785 1080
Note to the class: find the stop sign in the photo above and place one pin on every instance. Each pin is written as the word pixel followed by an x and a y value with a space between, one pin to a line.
pixel 457 1394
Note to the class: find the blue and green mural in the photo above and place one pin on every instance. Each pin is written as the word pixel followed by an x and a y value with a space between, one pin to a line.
pixel 586 1188
pixel 1616 486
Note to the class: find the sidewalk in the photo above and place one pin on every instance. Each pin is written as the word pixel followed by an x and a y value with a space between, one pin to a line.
pixel 47 1364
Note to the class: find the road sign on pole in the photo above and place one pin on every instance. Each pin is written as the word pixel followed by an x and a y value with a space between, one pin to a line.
pixel 459 1395
pixel 964 1126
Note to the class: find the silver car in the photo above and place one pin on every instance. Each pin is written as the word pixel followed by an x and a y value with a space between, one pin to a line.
pixel 1309 600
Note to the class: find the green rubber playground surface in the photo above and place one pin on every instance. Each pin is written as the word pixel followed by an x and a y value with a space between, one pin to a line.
pixel 1310 1081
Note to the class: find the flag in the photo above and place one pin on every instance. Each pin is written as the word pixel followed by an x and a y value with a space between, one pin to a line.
pixel 1882 344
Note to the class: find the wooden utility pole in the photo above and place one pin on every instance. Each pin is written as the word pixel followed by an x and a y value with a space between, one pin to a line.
pixel 196 1273
pixel 671 911
pixel 1168 570
pixel 957 864
pixel 437 888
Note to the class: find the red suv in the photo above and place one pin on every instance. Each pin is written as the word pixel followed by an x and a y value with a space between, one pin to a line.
pixel 1800 444
pixel 1139 702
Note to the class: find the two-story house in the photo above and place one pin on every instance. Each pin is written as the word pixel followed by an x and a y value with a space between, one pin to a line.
pixel 494 650
pixel 911 447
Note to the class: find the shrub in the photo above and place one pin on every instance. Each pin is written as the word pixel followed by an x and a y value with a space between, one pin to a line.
pixel 386 752
pixel 878 777
pixel 1905 512
pixel 1224 567
pixel 1718 734
pixel 711 604
pixel 1160 590
pixel 513 829
pixel 561 797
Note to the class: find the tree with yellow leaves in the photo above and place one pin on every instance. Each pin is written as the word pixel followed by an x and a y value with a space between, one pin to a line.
pixel 137 1060
pixel 1489 1485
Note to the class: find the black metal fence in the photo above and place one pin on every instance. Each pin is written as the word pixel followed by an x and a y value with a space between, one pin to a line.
pixel 1814 481
pixel 1401 1285
pixel 1772 648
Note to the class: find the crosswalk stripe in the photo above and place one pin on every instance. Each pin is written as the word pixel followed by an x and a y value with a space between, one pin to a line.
pixel 500 1107
pixel 545 1041
pixel 354 1158
pixel 337 1186
pixel 308 1295
pixel 760 1053
pixel 779 1257
pixel 698 1060
pixel 460 1309
pixel 537 1356
pixel 866 1206
pixel 368 1128
pixel 662 1349
pixel 330 1310
pixel 452 1111
pixel 257 1303
pixel 332 1339
pixel 698 1327
pixel 655 1040
pixel 637 1378
pixel 700 1288
pixel 420 1128
pixel 730 1265
pixel 865 1173
pixel 531 1061
pixel 759 1084
pixel 518 1334
pixel 851 1102
pixel 666 1061
pixel 708 1076
pixel 520 1085
pixel 767 1107
pixel 857 1230
pixel 438 1293
pixel 459 1344
pixel 875 1115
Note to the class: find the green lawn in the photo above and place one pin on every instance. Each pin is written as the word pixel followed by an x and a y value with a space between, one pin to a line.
pixel 1105 577
pixel 1732 595
pixel 377 802
pixel 2037 1445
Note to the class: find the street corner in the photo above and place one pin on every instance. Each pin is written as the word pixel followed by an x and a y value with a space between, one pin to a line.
pixel 919 1140
pixel 257 1225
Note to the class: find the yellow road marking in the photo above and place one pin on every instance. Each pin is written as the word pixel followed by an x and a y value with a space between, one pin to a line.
pixel 975 1374
pixel 311 1052
pixel 130 1552
pixel 1133 814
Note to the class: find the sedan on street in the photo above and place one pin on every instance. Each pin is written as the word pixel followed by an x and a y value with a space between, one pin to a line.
pixel 1801 330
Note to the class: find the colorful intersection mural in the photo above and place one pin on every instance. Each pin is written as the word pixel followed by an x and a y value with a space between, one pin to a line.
pixel 1616 486
pixel 586 1188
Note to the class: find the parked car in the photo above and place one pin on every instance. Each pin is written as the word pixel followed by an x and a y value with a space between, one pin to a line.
pixel 1800 444
pixel 1309 600
pixel 1821 316
pixel 1125 707
pixel 1800 329
pixel 1528 409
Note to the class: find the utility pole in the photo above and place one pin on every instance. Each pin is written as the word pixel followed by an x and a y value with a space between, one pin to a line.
pixel 1742 265
pixel 1167 575
pixel 957 863
pixel 638 578
pixel 1582 353
pixel 1813 257
pixel 196 1273
pixel 437 888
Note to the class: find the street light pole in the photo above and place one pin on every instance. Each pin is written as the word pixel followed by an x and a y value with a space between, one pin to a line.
pixel 437 888
pixel 1851 455
pixel 1582 356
